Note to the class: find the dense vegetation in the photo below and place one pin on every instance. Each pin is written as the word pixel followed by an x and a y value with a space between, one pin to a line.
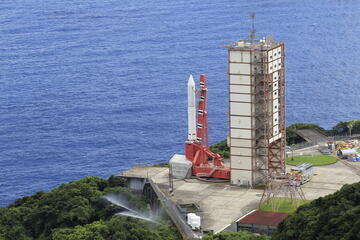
pixel 340 129
pixel 346 128
pixel 293 138
pixel 235 236
pixel 332 217
pixel 221 148
pixel 76 211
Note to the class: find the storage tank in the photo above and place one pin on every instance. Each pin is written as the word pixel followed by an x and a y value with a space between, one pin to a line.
pixel 347 153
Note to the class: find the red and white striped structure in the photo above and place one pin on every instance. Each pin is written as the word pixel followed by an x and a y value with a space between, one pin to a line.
pixel 204 162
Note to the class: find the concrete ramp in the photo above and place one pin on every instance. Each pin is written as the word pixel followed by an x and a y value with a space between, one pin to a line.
pixel 311 135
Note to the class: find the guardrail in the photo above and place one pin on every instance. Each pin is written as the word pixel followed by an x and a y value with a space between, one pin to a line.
pixel 174 213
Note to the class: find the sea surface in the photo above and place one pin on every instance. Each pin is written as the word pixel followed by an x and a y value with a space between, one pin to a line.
pixel 95 87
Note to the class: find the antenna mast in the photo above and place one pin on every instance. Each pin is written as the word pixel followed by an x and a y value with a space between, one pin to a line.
pixel 253 30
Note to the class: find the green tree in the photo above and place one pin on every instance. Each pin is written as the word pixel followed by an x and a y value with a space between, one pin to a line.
pixel 94 231
pixel 351 124
pixel 356 127
pixel 115 181
pixel 11 226
pixel 332 217
pixel 340 128
pixel 221 148
pixel 76 211
pixel 293 138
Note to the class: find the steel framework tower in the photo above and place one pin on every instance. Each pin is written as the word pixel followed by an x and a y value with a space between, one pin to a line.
pixel 205 163
pixel 257 110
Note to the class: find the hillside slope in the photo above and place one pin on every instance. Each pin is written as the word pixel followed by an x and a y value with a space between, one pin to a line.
pixel 76 211
pixel 333 217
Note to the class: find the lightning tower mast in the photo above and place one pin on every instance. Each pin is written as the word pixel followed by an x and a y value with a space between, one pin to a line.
pixel 253 30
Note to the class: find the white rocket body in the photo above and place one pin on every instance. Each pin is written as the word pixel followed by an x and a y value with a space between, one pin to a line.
pixel 191 110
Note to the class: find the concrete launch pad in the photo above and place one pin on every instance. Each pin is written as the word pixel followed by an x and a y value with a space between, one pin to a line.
pixel 221 204
pixel 330 178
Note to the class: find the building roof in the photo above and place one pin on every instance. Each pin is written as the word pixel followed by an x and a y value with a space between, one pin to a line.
pixel 311 135
pixel 264 218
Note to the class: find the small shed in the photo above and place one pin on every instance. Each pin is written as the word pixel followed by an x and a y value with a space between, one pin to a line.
pixel 180 166
pixel 261 222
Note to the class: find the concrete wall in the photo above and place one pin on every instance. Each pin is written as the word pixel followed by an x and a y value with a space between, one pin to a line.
pixel 241 116
pixel 136 185
pixel 256 228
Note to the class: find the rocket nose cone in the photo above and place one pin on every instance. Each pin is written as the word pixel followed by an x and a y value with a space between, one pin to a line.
pixel 191 81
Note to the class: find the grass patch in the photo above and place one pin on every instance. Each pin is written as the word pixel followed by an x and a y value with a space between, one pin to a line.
pixel 260 186
pixel 282 205
pixel 316 160
pixel 164 164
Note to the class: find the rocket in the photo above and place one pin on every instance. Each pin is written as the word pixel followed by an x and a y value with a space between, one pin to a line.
pixel 191 110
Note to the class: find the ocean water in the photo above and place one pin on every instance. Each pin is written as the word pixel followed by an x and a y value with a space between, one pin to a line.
pixel 95 87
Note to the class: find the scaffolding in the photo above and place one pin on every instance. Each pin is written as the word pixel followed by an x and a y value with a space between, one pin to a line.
pixel 256 69
pixel 271 133
pixel 281 187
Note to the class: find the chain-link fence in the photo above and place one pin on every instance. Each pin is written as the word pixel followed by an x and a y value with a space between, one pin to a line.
pixel 322 140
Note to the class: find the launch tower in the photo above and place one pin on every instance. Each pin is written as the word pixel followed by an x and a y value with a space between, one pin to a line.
pixel 257 110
